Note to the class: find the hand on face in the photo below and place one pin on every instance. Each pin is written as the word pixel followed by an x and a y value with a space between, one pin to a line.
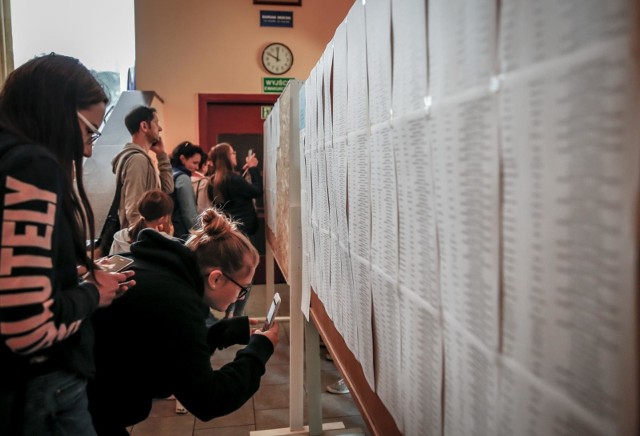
pixel 158 145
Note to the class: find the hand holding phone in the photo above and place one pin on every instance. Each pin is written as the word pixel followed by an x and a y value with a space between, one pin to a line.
pixel 273 311
pixel 251 160
pixel 114 263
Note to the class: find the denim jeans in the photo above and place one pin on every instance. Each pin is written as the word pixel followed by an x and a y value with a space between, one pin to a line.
pixel 56 404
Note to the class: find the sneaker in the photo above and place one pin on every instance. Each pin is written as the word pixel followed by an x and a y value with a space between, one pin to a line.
pixel 180 409
pixel 339 387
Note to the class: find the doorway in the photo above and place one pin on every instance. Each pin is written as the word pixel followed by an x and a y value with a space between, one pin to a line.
pixel 237 119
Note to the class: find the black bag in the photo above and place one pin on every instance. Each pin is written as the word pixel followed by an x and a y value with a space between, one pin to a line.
pixel 112 223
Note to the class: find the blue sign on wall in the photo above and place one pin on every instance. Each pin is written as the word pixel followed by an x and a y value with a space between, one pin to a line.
pixel 276 19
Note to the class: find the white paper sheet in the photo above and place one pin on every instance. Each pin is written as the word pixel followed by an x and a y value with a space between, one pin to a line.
pixel 384 201
pixel 272 143
pixel 571 174
pixel 339 166
pixel 362 315
pixel 358 161
pixel 378 23
pixel 462 45
pixel 311 132
pixel 527 406
pixel 357 102
pixel 388 341
pixel 410 82
pixel 465 152
pixel 348 303
pixel 340 81
pixel 532 32
pixel 471 383
pixel 418 270
pixel 422 367
pixel 305 208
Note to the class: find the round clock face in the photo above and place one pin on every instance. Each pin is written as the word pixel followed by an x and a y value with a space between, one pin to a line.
pixel 277 58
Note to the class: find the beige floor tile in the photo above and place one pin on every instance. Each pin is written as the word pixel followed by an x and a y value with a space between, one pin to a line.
pixel 271 397
pixel 272 418
pixel 275 375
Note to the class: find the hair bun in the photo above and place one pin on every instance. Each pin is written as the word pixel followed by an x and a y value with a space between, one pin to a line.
pixel 215 224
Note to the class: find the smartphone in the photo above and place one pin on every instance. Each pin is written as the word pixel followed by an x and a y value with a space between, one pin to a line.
pixel 250 152
pixel 273 311
pixel 116 263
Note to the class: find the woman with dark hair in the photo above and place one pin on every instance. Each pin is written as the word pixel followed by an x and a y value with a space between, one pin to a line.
pixel 50 110
pixel 153 342
pixel 155 209
pixel 231 193
pixel 185 160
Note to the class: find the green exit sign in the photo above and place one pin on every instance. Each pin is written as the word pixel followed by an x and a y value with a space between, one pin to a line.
pixel 265 111
pixel 275 85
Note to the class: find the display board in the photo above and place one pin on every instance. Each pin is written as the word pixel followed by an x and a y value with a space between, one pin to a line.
pixel 469 203
pixel 282 176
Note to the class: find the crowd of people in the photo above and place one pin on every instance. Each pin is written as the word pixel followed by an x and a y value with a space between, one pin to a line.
pixel 85 350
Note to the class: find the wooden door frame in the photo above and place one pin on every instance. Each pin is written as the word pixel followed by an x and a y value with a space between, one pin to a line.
pixel 205 99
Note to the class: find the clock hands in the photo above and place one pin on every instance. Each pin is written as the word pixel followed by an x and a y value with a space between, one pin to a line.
pixel 277 64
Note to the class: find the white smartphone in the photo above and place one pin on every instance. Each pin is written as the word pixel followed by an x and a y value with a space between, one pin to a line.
pixel 116 263
pixel 250 152
pixel 273 311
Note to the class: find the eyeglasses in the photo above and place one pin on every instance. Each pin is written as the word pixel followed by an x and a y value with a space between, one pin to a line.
pixel 95 132
pixel 243 290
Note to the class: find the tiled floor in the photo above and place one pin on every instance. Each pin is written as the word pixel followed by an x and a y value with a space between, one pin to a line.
pixel 269 407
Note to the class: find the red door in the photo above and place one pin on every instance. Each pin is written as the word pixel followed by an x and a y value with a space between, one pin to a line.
pixel 236 119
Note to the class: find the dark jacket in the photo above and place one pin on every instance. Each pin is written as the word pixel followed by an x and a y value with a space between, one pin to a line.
pixel 44 308
pixel 239 195
pixel 152 342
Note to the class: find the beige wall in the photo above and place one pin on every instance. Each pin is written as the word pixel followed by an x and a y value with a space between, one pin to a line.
pixel 186 47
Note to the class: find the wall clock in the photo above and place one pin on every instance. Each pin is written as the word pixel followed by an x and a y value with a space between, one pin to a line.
pixel 277 58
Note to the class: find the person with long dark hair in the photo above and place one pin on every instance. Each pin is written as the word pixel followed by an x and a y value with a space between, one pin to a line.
pixel 230 192
pixel 185 160
pixel 50 112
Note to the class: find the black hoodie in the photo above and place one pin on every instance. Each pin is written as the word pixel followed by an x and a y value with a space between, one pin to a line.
pixel 44 308
pixel 152 342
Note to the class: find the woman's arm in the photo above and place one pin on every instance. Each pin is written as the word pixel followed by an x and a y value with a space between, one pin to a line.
pixel 36 311
pixel 205 392
pixel 243 188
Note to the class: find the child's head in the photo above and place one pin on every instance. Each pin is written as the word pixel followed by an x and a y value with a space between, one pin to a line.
pixel 155 208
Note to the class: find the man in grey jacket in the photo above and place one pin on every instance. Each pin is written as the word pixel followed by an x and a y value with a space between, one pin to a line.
pixel 133 165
